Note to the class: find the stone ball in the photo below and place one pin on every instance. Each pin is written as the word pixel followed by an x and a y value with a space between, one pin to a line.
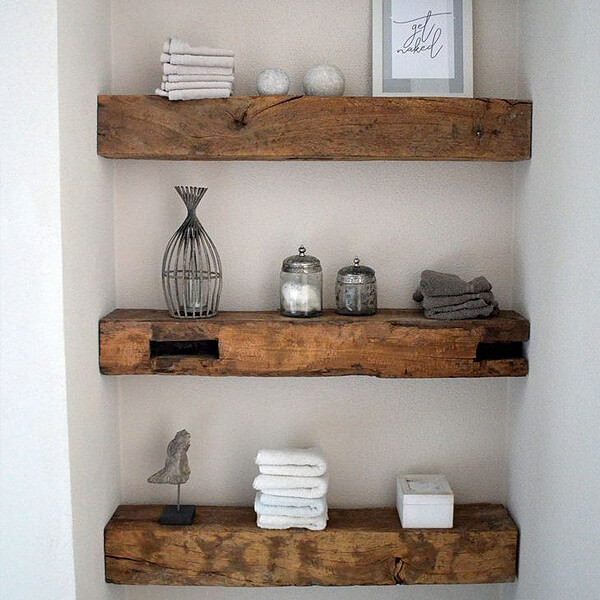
pixel 273 82
pixel 324 80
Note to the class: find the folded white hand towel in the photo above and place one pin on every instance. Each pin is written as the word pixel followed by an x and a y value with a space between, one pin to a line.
pixel 293 470
pixel 177 46
pixel 316 509
pixel 180 78
pixel 197 61
pixel 297 492
pixel 193 94
pixel 278 522
pixel 169 69
pixel 301 462
pixel 300 487
pixel 195 85
pixel 291 456
pixel 270 500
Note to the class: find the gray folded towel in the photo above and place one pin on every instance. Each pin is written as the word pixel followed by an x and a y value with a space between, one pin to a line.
pixel 465 313
pixel 443 301
pixel 470 304
pixel 434 283
pixel 448 297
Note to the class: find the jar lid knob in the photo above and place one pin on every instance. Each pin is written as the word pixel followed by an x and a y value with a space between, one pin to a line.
pixel 302 251
pixel 356 261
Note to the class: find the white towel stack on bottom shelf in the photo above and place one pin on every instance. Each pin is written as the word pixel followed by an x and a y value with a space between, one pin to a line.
pixel 291 489
pixel 192 73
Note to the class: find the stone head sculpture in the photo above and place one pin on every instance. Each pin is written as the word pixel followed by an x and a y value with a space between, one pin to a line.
pixel 177 468
pixel 176 471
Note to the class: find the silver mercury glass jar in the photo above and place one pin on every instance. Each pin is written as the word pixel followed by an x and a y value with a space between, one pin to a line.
pixel 356 290
pixel 301 285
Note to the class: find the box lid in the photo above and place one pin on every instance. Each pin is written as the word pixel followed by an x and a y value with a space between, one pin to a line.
pixel 425 489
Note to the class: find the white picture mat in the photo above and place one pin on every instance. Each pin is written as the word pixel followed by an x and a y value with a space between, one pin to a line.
pixel 423 86
pixel 422 42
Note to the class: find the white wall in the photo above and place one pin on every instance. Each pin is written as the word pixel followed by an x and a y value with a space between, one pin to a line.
pixel 89 285
pixel 454 216
pixel 36 532
pixel 59 417
pixel 399 217
pixel 554 414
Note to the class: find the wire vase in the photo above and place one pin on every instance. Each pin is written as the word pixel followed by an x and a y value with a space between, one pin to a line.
pixel 191 268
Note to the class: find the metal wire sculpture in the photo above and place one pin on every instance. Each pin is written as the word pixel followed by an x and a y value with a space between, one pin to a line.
pixel 191 268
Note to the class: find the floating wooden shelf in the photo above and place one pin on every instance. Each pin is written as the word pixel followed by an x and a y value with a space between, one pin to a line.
pixel 224 547
pixel 309 127
pixel 392 343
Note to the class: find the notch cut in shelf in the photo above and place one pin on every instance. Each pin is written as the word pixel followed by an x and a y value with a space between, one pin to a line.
pixel 203 349
pixel 393 343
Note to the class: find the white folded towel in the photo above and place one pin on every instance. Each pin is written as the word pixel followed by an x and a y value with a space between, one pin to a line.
pixel 278 522
pixel 302 462
pixel 292 470
pixel 293 501
pixel 316 509
pixel 195 85
pixel 299 487
pixel 193 94
pixel 177 46
pixel 180 78
pixel 169 69
pixel 197 61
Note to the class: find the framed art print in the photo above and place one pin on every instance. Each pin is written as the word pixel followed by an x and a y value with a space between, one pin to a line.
pixel 422 48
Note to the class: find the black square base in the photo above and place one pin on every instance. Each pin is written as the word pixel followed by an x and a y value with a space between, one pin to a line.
pixel 172 516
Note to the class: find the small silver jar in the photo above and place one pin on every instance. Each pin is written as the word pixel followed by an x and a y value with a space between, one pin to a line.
pixel 301 285
pixel 356 290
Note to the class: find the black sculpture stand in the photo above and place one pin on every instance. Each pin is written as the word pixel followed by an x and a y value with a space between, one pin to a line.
pixel 178 515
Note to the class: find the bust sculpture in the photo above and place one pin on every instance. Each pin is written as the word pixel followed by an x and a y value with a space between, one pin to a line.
pixel 176 471
pixel 177 468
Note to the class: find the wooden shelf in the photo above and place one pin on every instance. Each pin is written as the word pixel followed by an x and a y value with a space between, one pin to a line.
pixel 392 343
pixel 309 127
pixel 224 547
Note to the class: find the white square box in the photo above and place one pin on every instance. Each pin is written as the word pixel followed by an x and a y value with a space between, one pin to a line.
pixel 424 501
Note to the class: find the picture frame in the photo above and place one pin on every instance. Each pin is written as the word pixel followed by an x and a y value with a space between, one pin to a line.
pixel 422 48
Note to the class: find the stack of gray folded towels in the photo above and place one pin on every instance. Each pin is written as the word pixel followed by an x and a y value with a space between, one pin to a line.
pixel 192 73
pixel 448 297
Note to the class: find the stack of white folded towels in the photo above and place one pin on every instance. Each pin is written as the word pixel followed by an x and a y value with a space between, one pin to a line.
pixel 291 489
pixel 192 73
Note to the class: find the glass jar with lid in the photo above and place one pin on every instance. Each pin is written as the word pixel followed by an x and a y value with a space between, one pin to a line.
pixel 356 290
pixel 301 285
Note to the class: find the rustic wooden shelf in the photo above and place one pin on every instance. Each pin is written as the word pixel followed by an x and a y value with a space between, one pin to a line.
pixel 392 343
pixel 309 127
pixel 224 547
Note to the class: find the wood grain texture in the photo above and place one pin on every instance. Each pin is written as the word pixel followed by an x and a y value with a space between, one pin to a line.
pixel 359 547
pixel 392 343
pixel 309 127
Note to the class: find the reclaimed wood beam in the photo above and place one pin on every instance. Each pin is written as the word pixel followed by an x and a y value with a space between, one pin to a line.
pixel 314 128
pixel 224 547
pixel 392 343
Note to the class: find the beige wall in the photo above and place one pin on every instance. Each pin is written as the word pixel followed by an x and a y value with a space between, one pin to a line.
pixel 89 285
pixel 554 414
pixel 399 217
pixel 36 526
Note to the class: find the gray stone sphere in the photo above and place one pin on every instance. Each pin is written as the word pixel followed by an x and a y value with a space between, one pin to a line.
pixel 324 80
pixel 272 82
